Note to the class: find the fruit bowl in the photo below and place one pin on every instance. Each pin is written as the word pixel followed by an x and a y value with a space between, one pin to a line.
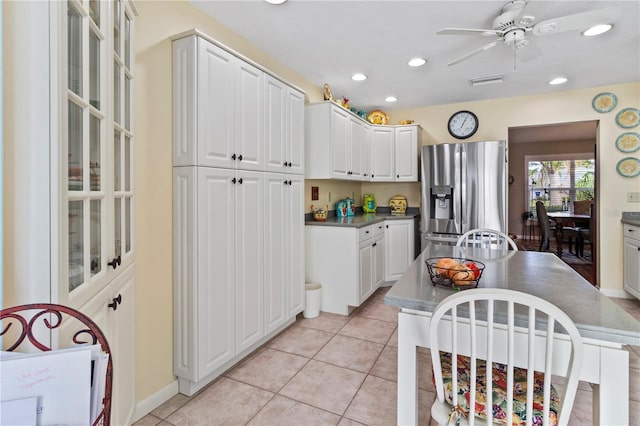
pixel 458 273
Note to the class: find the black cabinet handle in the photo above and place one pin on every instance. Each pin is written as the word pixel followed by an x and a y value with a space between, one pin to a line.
pixel 233 180
pixel 387 226
pixel 115 262
pixel 289 163
pixel 240 181
pixel 398 176
pixel 240 157
pixel 372 176
pixel 289 182
pixel 374 244
pixel 233 157
pixel 116 301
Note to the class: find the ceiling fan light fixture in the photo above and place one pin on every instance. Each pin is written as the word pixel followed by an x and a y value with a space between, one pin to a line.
pixel 558 80
pixel 597 30
pixel 483 81
pixel 417 62
pixel 390 99
pixel 358 77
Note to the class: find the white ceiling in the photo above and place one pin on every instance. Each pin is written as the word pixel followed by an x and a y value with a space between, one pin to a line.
pixel 328 41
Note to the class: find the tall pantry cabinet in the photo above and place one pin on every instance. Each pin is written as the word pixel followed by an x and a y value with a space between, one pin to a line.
pixel 238 207
pixel 69 133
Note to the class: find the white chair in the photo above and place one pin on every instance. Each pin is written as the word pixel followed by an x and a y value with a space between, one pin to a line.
pixel 488 326
pixel 486 238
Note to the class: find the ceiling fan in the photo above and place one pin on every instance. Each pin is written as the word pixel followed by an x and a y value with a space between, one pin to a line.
pixel 513 26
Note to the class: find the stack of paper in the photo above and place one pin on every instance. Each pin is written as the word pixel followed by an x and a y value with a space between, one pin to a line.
pixel 55 387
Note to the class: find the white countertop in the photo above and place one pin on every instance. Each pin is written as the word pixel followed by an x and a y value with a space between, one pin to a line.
pixel 540 274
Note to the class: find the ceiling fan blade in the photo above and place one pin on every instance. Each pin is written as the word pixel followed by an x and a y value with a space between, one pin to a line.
pixel 528 50
pixel 468 31
pixel 577 21
pixel 475 52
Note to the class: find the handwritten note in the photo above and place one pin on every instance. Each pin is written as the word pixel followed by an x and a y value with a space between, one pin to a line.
pixel 61 381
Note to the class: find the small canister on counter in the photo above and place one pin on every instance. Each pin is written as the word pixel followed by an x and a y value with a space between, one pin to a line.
pixel 398 205
pixel 341 208
pixel 351 207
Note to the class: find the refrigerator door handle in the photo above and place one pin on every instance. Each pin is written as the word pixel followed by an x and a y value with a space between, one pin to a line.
pixel 457 210
pixel 463 191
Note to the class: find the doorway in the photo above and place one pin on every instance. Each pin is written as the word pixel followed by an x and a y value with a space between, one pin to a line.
pixel 561 140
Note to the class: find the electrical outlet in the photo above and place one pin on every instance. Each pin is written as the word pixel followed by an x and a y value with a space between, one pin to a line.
pixel 314 193
pixel 633 197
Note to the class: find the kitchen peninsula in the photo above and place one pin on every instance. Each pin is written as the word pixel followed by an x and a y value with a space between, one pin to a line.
pixel 352 256
pixel 604 326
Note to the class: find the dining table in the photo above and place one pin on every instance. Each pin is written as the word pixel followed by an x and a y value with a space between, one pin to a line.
pixel 604 326
pixel 569 219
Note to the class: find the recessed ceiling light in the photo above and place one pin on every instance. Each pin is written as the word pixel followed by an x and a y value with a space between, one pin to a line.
pixel 390 99
pixel 275 1
pixel 597 30
pixel 358 77
pixel 417 62
pixel 558 80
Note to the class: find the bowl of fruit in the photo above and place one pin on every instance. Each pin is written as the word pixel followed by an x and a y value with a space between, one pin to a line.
pixel 458 273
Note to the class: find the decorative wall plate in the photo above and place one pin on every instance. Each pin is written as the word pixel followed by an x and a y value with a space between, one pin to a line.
pixel 628 167
pixel 628 118
pixel 378 117
pixel 628 142
pixel 604 102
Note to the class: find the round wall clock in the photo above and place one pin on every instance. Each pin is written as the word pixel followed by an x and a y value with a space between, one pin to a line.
pixel 463 124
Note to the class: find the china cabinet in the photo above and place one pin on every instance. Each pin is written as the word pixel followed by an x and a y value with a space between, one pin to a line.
pixel 73 110
pixel 238 195
pixel 631 259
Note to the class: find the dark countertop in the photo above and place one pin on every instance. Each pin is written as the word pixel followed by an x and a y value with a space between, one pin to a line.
pixel 361 219
pixel 631 218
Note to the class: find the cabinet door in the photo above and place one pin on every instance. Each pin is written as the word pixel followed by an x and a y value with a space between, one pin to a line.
pixel 406 154
pixel 216 106
pixel 295 132
pixel 249 118
pixel 275 124
pixel 276 227
pixel 213 295
pixel 339 143
pixel 365 266
pixel 295 246
pixel 382 154
pixel 399 247
pixel 249 264
pixel 378 263
pixel 632 266
pixel 357 137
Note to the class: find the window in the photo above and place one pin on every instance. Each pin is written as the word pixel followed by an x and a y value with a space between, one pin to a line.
pixel 559 180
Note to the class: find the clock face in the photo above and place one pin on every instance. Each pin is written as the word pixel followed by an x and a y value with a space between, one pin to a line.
pixel 463 124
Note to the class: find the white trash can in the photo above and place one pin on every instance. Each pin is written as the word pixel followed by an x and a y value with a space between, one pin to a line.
pixel 312 300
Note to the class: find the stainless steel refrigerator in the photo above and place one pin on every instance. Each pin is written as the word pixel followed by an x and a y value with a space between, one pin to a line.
pixel 464 186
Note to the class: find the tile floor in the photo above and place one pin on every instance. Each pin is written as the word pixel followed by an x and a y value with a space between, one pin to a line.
pixel 333 370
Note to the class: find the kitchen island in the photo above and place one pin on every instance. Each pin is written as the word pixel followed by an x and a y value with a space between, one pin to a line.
pixel 604 326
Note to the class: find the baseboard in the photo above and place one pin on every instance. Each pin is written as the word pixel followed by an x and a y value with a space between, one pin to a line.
pixel 620 294
pixel 149 404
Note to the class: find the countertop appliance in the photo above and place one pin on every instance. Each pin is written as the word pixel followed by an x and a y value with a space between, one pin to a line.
pixel 464 186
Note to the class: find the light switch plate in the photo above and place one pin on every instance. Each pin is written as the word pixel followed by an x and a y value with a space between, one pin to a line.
pixel 633 197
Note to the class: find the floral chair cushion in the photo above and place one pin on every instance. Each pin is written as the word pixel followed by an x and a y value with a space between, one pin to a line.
pixel 499 389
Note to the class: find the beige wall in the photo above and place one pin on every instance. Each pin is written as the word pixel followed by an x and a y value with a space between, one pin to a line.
pixel 157 21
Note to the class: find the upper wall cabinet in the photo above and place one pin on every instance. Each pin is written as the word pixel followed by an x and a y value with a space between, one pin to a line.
pixel 217 124
pixel 340 145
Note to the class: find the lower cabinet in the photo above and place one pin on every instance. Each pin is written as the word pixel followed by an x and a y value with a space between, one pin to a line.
pixel 117 323
pixel 631 259
pixel 229 295
pixel 347 262
pixel 399 242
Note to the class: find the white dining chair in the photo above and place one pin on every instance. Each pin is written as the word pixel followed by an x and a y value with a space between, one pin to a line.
pixel 525 339
pixel 486 238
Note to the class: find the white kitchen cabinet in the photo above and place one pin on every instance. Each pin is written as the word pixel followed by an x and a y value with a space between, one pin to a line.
pixel 631 259
pixel 73 110
pixel 238 229
pixel 394 153
pixel 283 248
pixel 337 143
pixel 399 242
pixel 284 127
pixel 344 260
pixel 219 113
pixel 341 145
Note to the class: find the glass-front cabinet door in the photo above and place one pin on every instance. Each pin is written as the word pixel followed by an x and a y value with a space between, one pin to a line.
pixel 98 150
